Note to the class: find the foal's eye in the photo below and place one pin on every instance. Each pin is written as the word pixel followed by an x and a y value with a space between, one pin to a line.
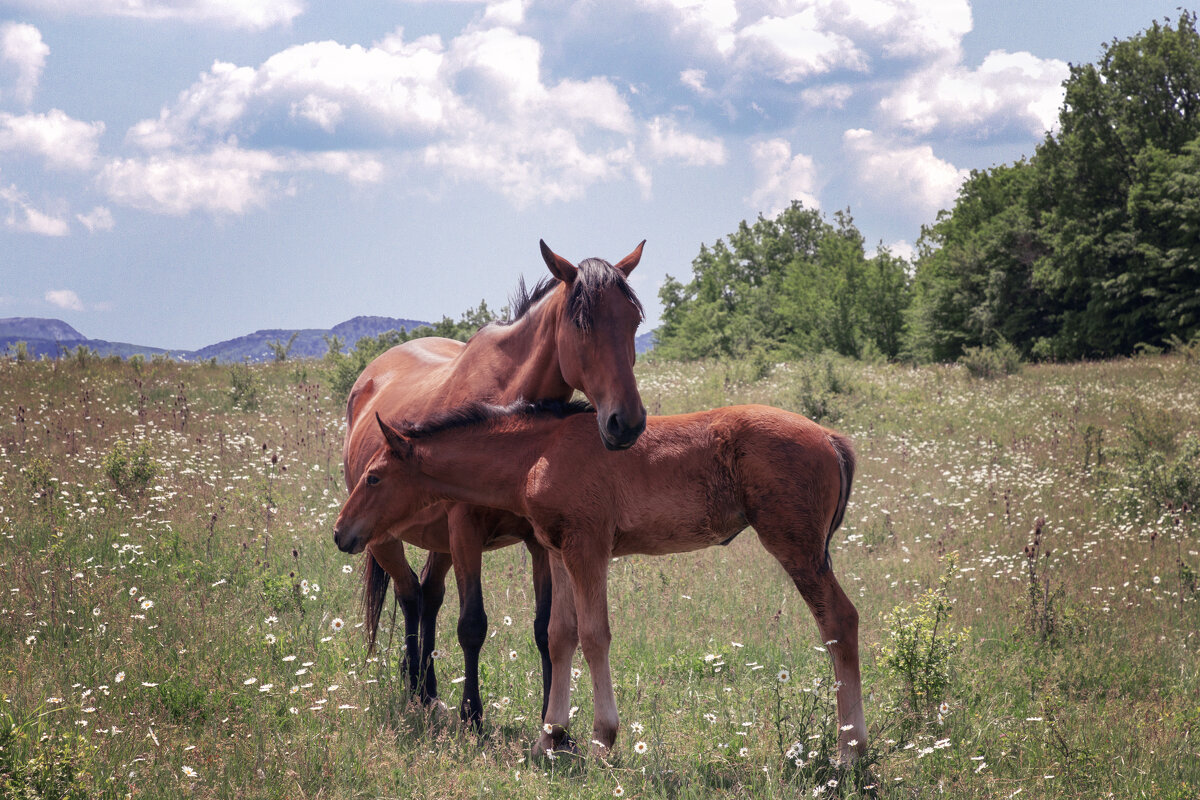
pixel 372 480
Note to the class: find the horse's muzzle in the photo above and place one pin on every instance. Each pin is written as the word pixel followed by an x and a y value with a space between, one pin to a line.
pixel 617 432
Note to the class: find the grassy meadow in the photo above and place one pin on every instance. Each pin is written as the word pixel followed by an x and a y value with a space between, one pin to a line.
pixel 175 620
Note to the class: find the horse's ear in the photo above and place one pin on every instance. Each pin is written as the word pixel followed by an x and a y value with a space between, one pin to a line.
pixel 626 264
pixel 400 447
pixel 560 268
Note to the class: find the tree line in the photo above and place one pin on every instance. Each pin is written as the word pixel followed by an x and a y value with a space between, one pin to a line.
pixel 1088 248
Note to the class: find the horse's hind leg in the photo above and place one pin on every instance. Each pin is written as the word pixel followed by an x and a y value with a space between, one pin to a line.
pixel 390 556
pixel 433 591
pixel 466 550
pixel 543 592
pixel 837 619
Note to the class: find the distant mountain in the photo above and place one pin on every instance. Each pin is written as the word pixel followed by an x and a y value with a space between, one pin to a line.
pixel 49 337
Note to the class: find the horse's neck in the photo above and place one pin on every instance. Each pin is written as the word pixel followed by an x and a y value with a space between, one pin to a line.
pixel 520 359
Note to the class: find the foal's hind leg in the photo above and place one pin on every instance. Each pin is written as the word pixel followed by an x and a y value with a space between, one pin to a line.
pixel 837 619
pixel 563 637
pixel 466 550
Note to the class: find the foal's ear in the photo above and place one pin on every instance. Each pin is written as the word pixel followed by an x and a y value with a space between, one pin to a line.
pixel 400 447
pixel 626 264
pixel 560 268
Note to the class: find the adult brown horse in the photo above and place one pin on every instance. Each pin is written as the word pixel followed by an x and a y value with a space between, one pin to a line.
pixel 573 331
pixel 691 481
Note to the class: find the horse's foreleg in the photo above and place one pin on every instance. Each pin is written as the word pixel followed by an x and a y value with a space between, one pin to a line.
pixel 543 592
pixel 589 580
pixel 433 591
pixel 562 638
pixel 466 549
pixel 390 555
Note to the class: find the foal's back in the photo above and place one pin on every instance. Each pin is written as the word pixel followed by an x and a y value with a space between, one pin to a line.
pixel 691 481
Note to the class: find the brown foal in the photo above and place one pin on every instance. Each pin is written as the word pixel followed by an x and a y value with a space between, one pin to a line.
pixel 691 481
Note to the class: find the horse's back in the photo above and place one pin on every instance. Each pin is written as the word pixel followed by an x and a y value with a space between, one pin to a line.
pixel 403 381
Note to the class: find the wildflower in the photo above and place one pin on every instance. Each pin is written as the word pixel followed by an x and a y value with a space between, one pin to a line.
pixel 188 771
pixel 847 728
pixel 337 623
pixel 636 729
pixel 640 748
pixel 507 620
pixel 31 639
pixel 436 654
pixel 271 620
pixel 266 687
pixel 133 591
pixel 853 742
pixel 618 791
pixel 120 676
pixel 783 675
pixel 710 718
pixel 96 611
pixel 745 751
pixel 512 655
pixel 575 673
pixel 548 728
pixel 249 681
pixel 347 569
pixel 1157 580
pixel 832 783
pixel 288 658
pixel 269 638
pixel 304 586
pixel 944 708
pixel 147 605
pixel 293 710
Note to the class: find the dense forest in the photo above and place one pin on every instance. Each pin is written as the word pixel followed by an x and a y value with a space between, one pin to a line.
pixel 1088 248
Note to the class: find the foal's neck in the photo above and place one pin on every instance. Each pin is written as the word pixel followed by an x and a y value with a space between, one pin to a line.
pixel 486 463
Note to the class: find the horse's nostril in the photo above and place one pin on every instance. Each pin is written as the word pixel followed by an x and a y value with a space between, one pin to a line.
pixel 614 426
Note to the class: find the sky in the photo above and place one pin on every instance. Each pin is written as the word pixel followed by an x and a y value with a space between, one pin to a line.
pixel 174 173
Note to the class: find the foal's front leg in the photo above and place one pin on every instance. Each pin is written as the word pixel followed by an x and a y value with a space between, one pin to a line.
pixel 563 638
pixel 585 571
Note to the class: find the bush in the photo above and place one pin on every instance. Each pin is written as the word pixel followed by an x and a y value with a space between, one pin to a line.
pixel 991 362
pixel 243 391
pixel 921 648
pixel 130 470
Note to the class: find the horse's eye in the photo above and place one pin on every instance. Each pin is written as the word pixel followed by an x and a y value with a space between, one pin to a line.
pixel 372 480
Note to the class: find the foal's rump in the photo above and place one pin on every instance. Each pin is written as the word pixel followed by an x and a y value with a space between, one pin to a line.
pixel 795 476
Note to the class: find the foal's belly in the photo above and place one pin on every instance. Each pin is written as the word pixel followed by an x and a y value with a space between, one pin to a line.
pixel 657 540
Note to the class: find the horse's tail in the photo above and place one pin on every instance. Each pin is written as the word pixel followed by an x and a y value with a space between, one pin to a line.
pixel 846 461
pixel 374 593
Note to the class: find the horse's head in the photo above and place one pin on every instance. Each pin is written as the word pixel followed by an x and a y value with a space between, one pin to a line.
pixel 385 494
pixel 595 341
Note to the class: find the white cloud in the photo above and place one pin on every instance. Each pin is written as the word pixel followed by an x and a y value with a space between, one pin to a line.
pixel 908 177
pixel 798 46
pixel 98 219
pixel 24 218
pixel 1007 90
pixel 667 142
pixel 477 109
pixel 22 48
pixel 65 299
pixel 782 177
pixel 62 141
pixel 251 14
pixel 226 180
pixel 834 96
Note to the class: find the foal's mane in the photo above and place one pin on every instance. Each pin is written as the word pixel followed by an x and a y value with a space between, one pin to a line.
pixel 478 413
pixel 594 278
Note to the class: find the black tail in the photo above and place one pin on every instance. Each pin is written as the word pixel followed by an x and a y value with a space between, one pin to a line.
pixel 846 460
pixel 374 594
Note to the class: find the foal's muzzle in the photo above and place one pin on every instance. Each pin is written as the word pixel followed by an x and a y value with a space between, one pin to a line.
pixel 347 539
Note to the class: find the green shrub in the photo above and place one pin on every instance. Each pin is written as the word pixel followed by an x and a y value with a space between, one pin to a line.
pixel 130 470
pixel 991 362
pixel 920 649
pixel 243 390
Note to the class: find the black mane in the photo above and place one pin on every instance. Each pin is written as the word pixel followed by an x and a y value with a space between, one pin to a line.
pixel 477 413
pixel 595 276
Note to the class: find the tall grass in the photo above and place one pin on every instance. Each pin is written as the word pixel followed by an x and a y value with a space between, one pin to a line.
pixel 197 636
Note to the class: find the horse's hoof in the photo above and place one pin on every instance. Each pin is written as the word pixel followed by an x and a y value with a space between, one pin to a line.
pixel 546 747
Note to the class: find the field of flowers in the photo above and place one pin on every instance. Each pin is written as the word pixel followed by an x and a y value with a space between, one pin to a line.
pixel 1024 553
